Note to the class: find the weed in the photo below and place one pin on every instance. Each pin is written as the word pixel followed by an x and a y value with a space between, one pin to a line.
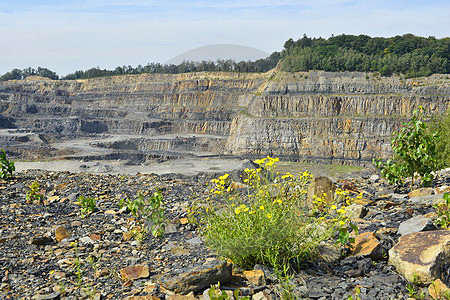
pixel 147 210
pixel 443 212
pixel 270 222
pixel 6 166
pixel 34 194
pixel 415 153
pixel 88 205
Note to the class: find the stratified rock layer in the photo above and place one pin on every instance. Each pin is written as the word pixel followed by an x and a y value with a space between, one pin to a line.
pixel 316 115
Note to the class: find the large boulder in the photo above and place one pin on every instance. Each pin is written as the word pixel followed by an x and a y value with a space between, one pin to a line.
pixel 322 187
pixel 421 256
pixel 198 278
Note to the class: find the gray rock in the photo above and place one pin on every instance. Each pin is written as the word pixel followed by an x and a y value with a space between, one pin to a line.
pixel 428 200
pixel 51 296
pixel 198 278
pixel 195 241
pixel 415 224
pixel 41 240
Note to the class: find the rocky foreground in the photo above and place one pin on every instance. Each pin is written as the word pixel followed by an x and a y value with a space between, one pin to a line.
pixel 51 251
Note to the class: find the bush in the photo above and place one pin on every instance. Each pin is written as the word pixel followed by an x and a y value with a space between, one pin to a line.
pixel 270 221
pixel 34 194
pixel 441 125
pixel 145 210
pixel 88 205
pixel 415 153
pixel 7 167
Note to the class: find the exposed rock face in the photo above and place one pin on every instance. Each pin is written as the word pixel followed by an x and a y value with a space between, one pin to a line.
pixel 317 116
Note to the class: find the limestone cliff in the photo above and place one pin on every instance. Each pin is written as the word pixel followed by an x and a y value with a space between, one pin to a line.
pixel 318 116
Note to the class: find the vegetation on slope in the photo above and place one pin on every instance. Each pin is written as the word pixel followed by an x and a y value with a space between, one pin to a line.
pixel 408 54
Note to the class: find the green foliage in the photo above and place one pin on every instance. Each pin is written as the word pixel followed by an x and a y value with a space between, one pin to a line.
pixel 441 125
pixel 22 74
pixel 270 222
pixel 7 167
pixel 88 205
pixel 34 194
pixel 260 65
pixel 443 212
pixel 215 293
pixel 414 153
pixel 147 210
pixel 408 54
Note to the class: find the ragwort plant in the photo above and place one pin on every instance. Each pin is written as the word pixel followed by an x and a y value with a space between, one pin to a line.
pixel 270 223
pixel 7 167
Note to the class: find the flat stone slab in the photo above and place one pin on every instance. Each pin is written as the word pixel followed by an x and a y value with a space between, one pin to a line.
pixel 421 255
pixel 415 224
pixel 198 278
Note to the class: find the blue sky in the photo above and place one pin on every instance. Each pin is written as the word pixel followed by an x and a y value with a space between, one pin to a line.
pixel 65 36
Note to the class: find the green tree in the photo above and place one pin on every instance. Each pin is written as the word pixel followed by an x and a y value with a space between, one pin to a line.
pixel 415 152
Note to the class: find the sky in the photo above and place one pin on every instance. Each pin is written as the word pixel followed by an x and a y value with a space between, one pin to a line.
pixel 66 36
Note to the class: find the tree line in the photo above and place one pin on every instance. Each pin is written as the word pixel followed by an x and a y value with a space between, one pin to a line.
pixel 22 74
pixel 260 65
pixel 407 54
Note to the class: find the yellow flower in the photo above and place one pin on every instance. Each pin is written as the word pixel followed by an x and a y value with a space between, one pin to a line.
pixel 341 211
pixel 277 201
pixel 341 223
pixel 237 210
pixel 287 175
pixel 252 212
pixel 333 206
pixel 261 207
pixel 269 216
pixel 245 209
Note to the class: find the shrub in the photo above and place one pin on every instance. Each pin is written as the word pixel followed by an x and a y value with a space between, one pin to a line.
pixel 7 167
pixel 415 153
pixel 34 194
pixel 441 125
pixel 88 205
pixel 147 210
pixel 270 221
pixel 443 212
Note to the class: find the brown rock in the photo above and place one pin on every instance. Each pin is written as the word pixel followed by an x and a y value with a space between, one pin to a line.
pixel 238 185
pixel 95 237
pixel 421 255
pixel 142 298
pixel 356 211
pixel 255 277
pixel 101 273
pixel 347 185
pixel 442 189
pixel 184 221
pixel 421 192
pixel 438 289
pixel 135 272
pixel 198 278
pixel 366 244
pixel 61 233
pixel 127 235
pixel 322 185
pixel 182 297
